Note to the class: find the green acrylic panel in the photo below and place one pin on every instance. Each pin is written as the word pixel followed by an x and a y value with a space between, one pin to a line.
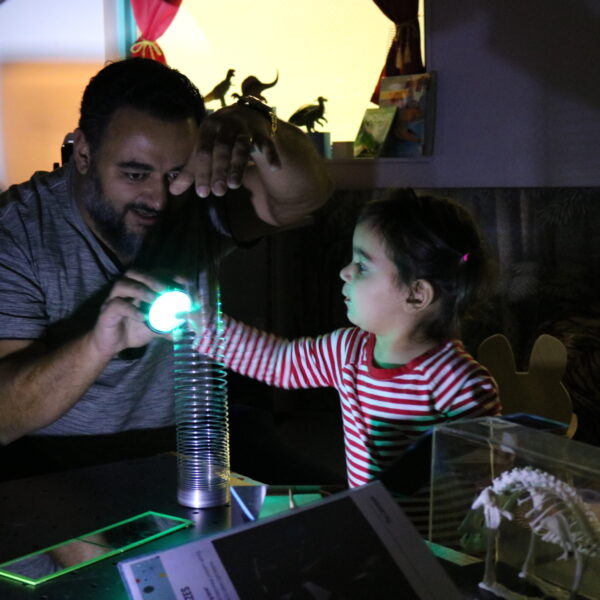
pixel 96 545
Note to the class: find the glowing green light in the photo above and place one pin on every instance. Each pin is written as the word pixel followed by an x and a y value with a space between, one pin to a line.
pixel 162 316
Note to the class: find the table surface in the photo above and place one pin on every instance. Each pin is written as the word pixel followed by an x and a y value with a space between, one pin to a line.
pixel 38 512
pixel 42 511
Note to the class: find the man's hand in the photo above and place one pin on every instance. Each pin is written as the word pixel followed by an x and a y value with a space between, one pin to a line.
pixel 121 322
pixel 284 174
pixel 225 141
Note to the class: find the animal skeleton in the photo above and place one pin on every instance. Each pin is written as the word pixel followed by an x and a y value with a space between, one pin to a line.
pixel 557 515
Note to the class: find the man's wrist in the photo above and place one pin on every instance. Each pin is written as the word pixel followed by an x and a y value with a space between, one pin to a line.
pixel 264 109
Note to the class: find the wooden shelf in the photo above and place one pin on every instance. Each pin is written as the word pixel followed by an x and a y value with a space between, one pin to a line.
pixel 370 173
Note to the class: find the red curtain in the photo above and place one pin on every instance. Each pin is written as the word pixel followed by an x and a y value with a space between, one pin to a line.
pixel 153 17
pixel 404 55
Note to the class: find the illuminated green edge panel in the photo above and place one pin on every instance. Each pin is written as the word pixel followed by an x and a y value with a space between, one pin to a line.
pixel 274 504
pixel 24 579
pixel 453 556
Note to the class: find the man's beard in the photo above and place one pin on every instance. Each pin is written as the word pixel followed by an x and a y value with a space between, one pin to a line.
pixel 109 223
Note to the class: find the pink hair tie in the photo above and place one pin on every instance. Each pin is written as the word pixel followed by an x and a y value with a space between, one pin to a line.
pixel 465 257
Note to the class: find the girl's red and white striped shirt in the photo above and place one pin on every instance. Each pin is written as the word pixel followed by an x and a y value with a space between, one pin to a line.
pixel 383 410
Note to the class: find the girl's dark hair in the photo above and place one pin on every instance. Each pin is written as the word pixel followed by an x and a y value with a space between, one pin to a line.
pixel 437 240
pixel 139 83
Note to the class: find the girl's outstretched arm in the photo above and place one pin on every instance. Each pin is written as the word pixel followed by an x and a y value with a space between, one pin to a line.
pixel 302 363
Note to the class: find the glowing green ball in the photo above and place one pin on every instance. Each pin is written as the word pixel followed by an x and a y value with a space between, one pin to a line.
pixel 162 315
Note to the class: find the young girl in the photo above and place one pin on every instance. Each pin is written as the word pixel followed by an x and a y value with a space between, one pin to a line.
pixel 418 266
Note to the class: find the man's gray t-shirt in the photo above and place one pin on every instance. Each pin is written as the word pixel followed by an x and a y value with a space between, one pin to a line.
pixel 54 276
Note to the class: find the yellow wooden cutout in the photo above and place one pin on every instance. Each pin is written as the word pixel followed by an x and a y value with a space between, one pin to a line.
pixel 538 391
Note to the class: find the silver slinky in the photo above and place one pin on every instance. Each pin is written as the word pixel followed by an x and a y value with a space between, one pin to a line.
pixel 201 417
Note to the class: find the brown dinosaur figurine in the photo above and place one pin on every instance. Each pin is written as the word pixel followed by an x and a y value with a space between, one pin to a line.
pixel 219 91
pixel 252 86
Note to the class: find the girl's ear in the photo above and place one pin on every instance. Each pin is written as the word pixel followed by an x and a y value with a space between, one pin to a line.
pixel 421 295
pixel 81 152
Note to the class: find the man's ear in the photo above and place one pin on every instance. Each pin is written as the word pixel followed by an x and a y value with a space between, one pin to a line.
pixel 81 152
pixel 421 295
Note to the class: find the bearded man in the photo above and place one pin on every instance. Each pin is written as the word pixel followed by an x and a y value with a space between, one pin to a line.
pixel 151 179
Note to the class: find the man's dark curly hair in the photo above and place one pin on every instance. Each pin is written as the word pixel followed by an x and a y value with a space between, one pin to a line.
pixel 139 83
pixel 437 240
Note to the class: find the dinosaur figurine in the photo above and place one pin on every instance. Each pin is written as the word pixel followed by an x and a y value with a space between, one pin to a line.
pixel 309 114
pixel 219 91
pixel 252 86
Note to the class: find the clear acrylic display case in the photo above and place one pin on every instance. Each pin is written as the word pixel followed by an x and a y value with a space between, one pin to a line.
pixel 536 525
